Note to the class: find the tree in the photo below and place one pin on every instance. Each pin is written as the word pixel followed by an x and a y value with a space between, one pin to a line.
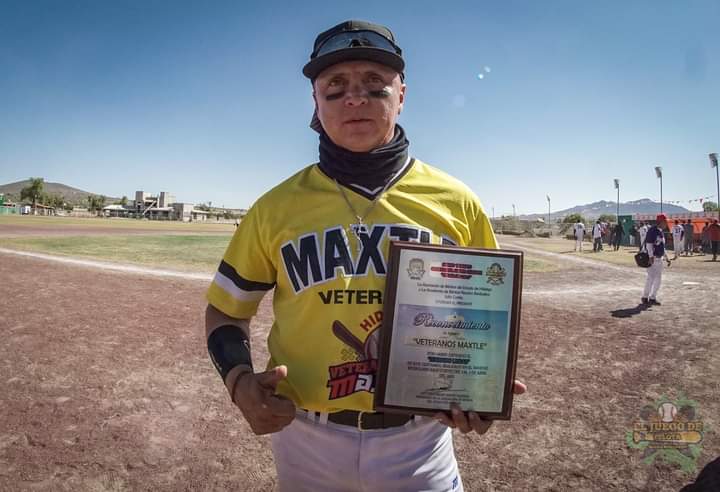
pixel 710 207
pixel 33 191
pixel 96 202
pixel 574 218
pixel 608 218
pixel 124 201
pixel 53 200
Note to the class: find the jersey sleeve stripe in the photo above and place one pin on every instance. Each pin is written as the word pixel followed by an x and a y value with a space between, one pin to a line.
pixel 229 286
pixel 243 284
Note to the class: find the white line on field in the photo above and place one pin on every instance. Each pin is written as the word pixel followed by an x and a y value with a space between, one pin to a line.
pixel 582 261
pixel 104 265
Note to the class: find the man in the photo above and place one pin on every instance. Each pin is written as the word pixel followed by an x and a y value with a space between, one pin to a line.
pixel 597 231
pixel 617 236
pixel 579 228
pixel 713 233
pixel 320 239
pixel 705 245
pixel 678 233
pixel 689 237
pixel 643 232
pixel 655 247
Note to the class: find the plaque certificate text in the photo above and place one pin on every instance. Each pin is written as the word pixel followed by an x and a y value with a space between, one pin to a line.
pixel 450 330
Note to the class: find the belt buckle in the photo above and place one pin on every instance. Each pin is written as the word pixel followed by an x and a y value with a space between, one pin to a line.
pixel 359 421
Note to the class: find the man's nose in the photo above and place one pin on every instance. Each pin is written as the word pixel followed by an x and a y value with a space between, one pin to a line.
pixel 356 95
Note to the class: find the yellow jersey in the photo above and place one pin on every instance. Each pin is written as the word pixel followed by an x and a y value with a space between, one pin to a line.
pixel 329 279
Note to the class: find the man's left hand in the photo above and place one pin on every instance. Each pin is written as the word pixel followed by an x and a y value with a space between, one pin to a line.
pixel 470 421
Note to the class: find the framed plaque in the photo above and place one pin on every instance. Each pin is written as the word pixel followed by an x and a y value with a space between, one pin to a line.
pixel 450 330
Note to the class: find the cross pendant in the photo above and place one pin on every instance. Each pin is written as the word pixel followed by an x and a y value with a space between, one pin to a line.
pixel 359 229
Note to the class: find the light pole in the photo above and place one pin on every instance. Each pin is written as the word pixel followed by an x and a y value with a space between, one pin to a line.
pixel 658 173
pixel 617 187
pixel 513 209
pixel 549 225
pixel 714 163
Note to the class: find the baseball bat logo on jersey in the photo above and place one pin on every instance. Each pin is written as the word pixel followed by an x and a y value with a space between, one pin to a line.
pixel 359 375
pixel 309 261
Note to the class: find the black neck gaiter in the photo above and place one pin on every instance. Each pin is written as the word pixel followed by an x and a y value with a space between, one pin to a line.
pixel 371 170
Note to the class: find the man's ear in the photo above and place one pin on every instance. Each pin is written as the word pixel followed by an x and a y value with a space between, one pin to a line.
pixel 402 97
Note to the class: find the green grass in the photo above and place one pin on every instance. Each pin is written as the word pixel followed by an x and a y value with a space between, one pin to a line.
pixel 195 252
pixel 115 223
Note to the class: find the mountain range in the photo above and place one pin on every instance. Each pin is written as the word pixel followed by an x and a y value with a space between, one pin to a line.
pixel 596 209
pixel 593 210
pixel 72 195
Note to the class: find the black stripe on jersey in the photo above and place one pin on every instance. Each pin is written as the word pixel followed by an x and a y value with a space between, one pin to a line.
pixel 244 284
pixel 370 196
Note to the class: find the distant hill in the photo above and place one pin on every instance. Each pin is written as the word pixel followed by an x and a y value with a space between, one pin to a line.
pixel 596 209
pixel 72 195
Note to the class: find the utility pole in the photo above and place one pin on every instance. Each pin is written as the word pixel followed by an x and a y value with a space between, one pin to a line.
pixel 617 187
pixel 549 225
pixel 658 173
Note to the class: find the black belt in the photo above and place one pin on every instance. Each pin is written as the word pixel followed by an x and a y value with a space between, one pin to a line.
pixel 368 420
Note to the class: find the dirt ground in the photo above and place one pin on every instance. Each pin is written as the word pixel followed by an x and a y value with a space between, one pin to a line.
pixel 105 383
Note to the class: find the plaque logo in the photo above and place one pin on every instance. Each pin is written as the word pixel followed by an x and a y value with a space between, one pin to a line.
pixel 496 274
pixel 416 269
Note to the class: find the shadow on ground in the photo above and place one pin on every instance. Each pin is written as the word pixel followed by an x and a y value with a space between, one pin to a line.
pixel 630 312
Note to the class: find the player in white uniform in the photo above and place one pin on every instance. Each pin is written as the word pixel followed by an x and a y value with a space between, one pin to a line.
pixel 579 235
pixel 643 232
pixel 319 241
pixel 678 234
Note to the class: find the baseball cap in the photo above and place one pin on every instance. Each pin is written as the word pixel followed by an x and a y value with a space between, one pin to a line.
pixel 354 40
pixel 660 217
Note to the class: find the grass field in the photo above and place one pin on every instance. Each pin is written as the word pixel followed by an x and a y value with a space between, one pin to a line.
pixel 95 223
pixel 182 252
pixel 195 252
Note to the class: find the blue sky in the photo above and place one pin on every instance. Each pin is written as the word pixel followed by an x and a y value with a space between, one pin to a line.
pixel 207 100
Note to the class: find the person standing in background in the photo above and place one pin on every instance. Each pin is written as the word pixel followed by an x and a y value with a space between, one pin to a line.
pixel 678 232
pixel 689 235
pixel 655 247
pixel 579 235
pixel 597 236
pixel 643 232
pixel 713 233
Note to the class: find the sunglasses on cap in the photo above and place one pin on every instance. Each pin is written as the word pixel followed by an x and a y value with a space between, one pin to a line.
pixel 356 39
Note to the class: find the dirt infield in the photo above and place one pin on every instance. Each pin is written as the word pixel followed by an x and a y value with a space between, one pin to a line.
pixel 106 384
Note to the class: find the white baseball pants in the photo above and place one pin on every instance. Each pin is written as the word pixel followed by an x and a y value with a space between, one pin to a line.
pixel 654 277
pixel 677 246
pixel 578 244
pixel 316 457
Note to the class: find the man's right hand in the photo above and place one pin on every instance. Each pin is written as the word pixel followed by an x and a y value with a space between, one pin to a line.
pixel 254 395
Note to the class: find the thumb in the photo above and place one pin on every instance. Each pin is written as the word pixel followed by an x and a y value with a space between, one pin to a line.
pixel 270 378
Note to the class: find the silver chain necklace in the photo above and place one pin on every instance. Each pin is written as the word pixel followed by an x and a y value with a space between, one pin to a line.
pixel 360 227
